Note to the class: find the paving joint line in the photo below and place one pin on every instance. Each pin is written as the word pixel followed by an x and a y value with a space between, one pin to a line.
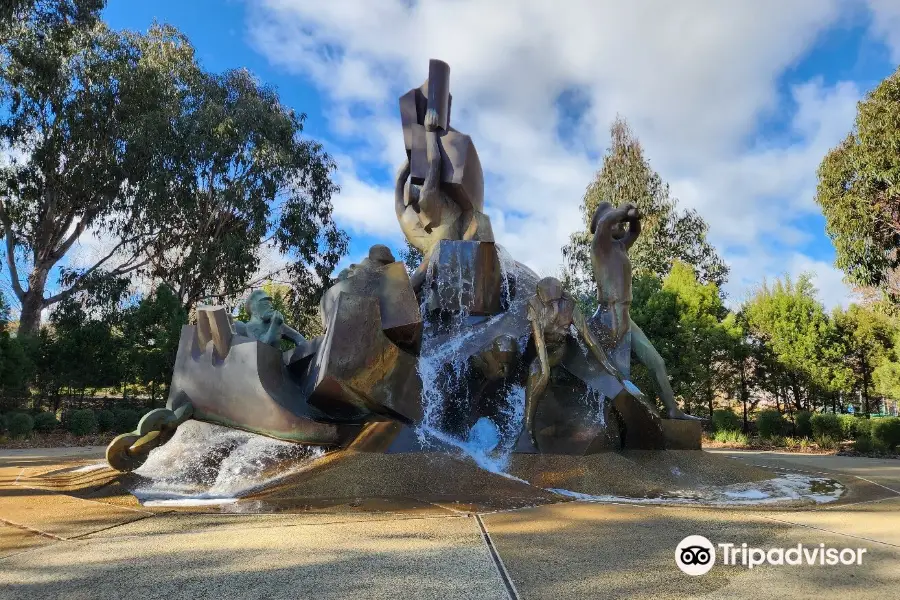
pixel 32 530
pixel 849 535
pixel 498 562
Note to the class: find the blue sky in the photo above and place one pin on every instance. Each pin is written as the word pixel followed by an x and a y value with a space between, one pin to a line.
pixel 735 103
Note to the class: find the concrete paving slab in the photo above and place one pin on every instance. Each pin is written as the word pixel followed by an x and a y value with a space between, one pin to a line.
pixel 14 540
pixel 883 471
pixel 414 559
pixel 624 551
pixel 58 515
pixel 192 522
pixel 878 521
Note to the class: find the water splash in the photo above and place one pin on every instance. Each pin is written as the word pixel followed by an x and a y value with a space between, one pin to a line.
pixel 785 488
pixel 445 370
pixel 210 464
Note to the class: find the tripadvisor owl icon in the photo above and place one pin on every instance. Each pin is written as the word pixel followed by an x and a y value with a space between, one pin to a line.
pixel 695 555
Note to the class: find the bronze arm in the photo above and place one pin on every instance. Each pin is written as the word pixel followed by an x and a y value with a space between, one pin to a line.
pixel 594 345
pixel 536 389
pixel 430 196
pixel 399 186
pixel 603 231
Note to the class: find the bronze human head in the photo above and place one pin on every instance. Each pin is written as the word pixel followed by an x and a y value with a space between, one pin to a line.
pixel 259 304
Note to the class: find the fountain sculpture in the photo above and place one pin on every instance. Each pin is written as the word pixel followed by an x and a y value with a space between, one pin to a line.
pixel 471 348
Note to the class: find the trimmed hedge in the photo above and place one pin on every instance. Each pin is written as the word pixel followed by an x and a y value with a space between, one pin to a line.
pixel 83 422
pixel 826 425
pixel 45 422
pixel 853 427
pixel 803 424
pixel 20 425
pixel 886 432
pixel 726 420
pixel 106 420
pixel 769 423
pixel 125 419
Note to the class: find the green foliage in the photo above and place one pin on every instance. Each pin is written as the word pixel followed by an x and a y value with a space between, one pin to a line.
pixel 770 423
pixel 20 425
pixel 106 420
pixel 83 422
pixel 886 432
pixel 859 192
pixel 725 420
pixel 4 423
pixel 731 436
pixel 853 427
pixel 867 337
pixel 45 422
pixel 789 319
pixel 863 443
pixel 826 442
pixel 667 234
pixel 125 420
pixel 802 421
pixel 192 174
pixel 151 331
pixel 826 424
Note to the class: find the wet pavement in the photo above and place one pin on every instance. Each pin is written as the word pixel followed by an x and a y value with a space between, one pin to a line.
pixel 53 544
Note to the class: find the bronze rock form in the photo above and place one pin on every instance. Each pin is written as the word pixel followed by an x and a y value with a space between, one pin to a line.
pixel 440 358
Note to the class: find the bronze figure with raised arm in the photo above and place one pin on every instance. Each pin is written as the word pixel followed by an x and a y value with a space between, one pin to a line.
pixel 615 230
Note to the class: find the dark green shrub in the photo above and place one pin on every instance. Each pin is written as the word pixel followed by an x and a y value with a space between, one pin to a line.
pixel 726 420
pixel 853 427
pixel 126 420
pixel 826 425
pixel 826 442
pixel 20 425
pixel 802 423
pixel 83 422
pixel 106 420
pixel 45 421
pixel 863 443
pixel 886 432
pixel 769 423
pixel 4 423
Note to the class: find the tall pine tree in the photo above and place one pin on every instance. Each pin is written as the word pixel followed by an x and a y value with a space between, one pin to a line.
pixel 667 234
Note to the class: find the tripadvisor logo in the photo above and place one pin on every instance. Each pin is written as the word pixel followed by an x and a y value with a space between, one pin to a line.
pixel 696 555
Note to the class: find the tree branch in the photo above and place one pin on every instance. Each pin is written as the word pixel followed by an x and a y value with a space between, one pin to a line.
pixel 11 253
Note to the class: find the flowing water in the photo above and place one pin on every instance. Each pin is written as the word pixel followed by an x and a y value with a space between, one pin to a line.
pixel 448 342
pixel 210 464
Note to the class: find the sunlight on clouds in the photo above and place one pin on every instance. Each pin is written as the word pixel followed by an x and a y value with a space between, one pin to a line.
pixel 693 78
pixel 886 24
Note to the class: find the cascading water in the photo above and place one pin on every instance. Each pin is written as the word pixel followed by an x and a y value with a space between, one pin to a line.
pixel 445 369
pixel 210 464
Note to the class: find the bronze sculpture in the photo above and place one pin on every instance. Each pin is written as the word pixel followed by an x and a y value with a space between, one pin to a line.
pixel 439 191
pixel 552 313
pixel 441 353
pixel 266 324
pixel 615 230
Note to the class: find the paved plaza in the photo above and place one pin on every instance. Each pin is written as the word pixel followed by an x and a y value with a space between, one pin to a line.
pixel 54 545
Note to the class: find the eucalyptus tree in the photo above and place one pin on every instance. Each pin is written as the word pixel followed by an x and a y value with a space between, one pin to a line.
pixel 859 192
pixel 667 233
pixel 183 177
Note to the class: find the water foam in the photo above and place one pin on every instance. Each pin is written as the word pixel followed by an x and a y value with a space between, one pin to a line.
pixel 205 463
pixel 785 488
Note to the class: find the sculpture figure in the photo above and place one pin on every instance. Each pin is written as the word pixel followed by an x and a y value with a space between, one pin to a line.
pixel 615 230
pixel 439 192
pixel 266 324
pixel 552 313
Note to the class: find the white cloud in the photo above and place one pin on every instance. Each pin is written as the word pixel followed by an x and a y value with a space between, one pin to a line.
pixel 886 24
pixel 693 78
